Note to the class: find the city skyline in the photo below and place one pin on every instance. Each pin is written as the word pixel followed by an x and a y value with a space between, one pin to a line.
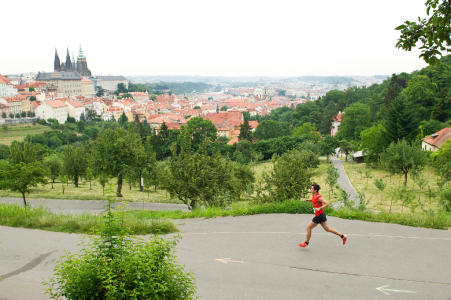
pixel 234 39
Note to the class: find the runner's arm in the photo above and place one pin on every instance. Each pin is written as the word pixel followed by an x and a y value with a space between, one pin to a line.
pixel 324 202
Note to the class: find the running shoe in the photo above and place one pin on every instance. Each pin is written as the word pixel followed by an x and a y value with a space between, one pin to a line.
pixel 304 245
pixel 344 239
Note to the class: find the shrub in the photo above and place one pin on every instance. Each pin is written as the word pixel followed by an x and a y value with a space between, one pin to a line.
pixel 116 265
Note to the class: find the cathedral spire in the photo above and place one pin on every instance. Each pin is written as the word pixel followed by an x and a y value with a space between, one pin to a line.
pixel 56 63
pixel 68 62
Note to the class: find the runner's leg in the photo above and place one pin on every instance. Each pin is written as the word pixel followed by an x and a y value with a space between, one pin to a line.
pixel 329 229
pixel 310 226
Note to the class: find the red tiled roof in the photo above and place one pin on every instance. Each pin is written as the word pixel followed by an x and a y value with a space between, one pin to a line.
pixel 233 141
pixel 75 103
pixel 56 103
pixel 439 138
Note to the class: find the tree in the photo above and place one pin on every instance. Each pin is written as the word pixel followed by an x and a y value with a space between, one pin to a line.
pixel 290 177
pixel 23 114
pixel 245 131
pixel 268 129
pixel 307 129
pixel 100 91
pixel 400 122
pixel 53 165
pixel 82 118
pixel 122 119
pixel 401 157
pixel 11 115
pixel 245 154
pixel 197 178
pixel 75 163
pixel 4 115
pixel 421 92
pixel 29 114
pixel 127 95
pixel 356 119
pixel 372 142
pixel 347 148
pixel 200 129
pixel 17 115
pixel 26 152
pixel 433 33
pixel 224 108
pixel 115 153
pixel 332 177
pixel 328 114
pixel 21 177
pixel 153 97
pixel 441 160
pixel 31 89
pixel 380 185
pixel 32 98
pixel 122 88
pixel 328 145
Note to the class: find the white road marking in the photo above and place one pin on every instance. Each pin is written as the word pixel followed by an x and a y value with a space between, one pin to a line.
pixel 324 233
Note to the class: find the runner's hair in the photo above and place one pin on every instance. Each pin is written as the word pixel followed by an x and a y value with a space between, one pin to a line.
pixel 316 187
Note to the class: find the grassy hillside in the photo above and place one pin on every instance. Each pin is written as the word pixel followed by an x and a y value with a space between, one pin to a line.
pixel 17 132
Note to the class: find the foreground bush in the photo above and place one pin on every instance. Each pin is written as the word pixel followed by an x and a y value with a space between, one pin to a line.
pixel 118 266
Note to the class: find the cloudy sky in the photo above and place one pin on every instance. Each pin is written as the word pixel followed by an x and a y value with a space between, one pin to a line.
pixel 211 37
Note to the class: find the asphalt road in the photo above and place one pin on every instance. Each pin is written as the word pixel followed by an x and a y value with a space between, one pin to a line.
pixel 343 180
pixel 257 257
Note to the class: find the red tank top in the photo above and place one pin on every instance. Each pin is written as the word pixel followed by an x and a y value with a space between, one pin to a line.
pixel 315 203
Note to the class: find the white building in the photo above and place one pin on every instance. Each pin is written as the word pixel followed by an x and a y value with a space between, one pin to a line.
pixel 75 109
pixel 11 90
pixel 110 83
pixel 53 109
pixel 3 91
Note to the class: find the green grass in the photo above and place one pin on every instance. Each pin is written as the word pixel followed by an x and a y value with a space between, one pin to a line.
pixel 85 191
pixel 14 215
pixel 380 201
pixel 435 221
pixel 17 132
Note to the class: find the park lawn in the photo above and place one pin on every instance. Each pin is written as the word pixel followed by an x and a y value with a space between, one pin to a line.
pixel 17 132
pixel 381 201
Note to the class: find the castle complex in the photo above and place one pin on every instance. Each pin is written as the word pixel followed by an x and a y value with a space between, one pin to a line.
pixel 81 67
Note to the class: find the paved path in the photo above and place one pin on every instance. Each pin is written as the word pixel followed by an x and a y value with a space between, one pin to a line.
pixel 90 206
pixel 257 258
pixel 343 180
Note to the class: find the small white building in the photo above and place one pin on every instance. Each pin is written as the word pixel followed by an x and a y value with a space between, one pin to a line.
pixel 53 109
pixel 436 140
pixel 75 109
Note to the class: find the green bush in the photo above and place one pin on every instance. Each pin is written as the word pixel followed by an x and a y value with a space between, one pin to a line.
pixel 445 198
pixel 118 266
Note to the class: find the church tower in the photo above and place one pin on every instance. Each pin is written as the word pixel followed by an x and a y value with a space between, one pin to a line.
pixel 68 62
pixel 217 108
pixel 82 65
pixel 57 63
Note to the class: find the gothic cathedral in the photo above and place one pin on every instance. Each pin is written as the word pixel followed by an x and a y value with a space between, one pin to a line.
pixel 81 67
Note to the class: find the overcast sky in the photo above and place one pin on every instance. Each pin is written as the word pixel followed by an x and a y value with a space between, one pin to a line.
pixel 208 37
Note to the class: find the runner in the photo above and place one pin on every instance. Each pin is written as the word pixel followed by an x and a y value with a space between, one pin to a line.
pixel 319 203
